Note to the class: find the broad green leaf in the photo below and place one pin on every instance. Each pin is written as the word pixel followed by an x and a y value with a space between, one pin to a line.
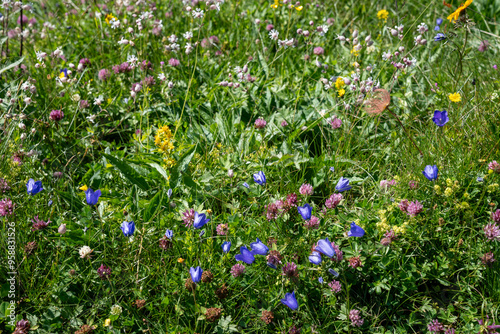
pixel 181 166
pixel 11 65
pixel 153 207
pixel 128 172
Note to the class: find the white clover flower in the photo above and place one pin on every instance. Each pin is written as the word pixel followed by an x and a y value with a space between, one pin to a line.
pixel 172 39
pixel 40 55
pixel 85 252
pixel 187 35
pixel 116 310
pixel 114 23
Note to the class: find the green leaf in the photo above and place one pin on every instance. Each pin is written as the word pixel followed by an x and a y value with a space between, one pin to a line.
pixel 181 166
pixel 263 63
pixel 128 172
pixel 11 65
pixel 153 207
pixel 160 169
pixel 2 40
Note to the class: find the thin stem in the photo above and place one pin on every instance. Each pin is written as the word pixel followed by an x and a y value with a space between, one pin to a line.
pixel 407 133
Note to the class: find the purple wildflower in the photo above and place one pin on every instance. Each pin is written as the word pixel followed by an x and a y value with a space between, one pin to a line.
pixel 290 270
pixel 104 74
pixel 222 229
pixel 237 270
pixel 414 208
pixel 435 326
pixel 492 232
pixel 355 318
pixel 306 189
pixel 188 217
pixel 56 115
pixel 333 201
pixel 335 286
pixel 6 207
pixel 260 123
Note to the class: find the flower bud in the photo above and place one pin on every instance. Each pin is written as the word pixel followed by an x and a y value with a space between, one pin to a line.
pixel 355 33
pixel 394 32
pixel 230 173
pixel 62 229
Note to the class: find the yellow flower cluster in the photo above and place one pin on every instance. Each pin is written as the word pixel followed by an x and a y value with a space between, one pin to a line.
pixel 456 14
pixel 384 226
pixel 276 4
pixel 492 187
pixel 382 14
pixel 339 85
pixel 164 142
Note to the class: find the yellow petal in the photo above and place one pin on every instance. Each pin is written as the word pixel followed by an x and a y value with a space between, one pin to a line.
pixel 84 188
pixel 107 322
pixel 299 8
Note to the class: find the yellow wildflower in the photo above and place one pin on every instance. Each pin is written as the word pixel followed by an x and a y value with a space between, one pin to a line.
pixel 455 15
pixel 84 188
pixel 448 192
pixel 455 97
pixel 180 260
pixel 339 83
pixel 382 14
pixel 299 8
pixel 107 322
pixel 341 92
pixel 276 4
pixel 109 17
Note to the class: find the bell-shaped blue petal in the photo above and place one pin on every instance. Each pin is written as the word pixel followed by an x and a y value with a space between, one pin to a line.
pixel 92 196
pixel 259 248
pixel 196 274
pixel 128 228
pixel 271 265
pixel 325 247
pixel 246 185
pixel 342 185
pixel 356 231
pixel 320 280
pixel 332 169
pixel 439 21
pixel 259 178
pixel 169 234
pixel 305 211
pixel 226 246
pixel 439 37
pixel 34 187
pixel 245 255
pixel 333 272
pixel 430 172
pixel 440 117
pixel 315 258
pixel 199 220
pixel 290 301
pixel 169 193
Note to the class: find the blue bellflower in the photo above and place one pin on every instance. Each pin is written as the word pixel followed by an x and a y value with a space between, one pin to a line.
pixel 315 258
pixel 199 220
pixel 91 196
pixel 245 255
pixel 259 248
pixel 440 117
pixel 439 21
pixel 305 211
pixel 34 187
pixel 169 234
pixel 333 272
pixel 356 231
pixel 430 172
pixel 342 185
pixel 320 280
pixel 226 246
pixel 246 185
pixel 271 265
pixel 259 178
pixel 325 247
pixel 169 193
pixel 290 301
pixel 128 228
pixel 439 37
pixel 195 274
pixel 332 169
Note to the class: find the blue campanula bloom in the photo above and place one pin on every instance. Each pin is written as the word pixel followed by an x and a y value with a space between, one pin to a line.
pixel 202 233
pixel 315 258
pixel 439 21
pixel 91 196
pixel 305 211
pixel 320 279
pixel 342 185
pixel 439 37
pixel 34 187
pixel 479 179
pixel 259 248
pixel 325 247
pixel 226 246
pixel 332 169
pixel 259 178
pixel 199 220
pixel 440 117
pixel 430 172
pixel 50 202
pixel 245 255
pixel 169 193
pixel 246 185
pixel 195 274
pixel 290 301
pixel 356 231
pixel 169 234
pixel 333 272
pixel 128 228
pixel 271 265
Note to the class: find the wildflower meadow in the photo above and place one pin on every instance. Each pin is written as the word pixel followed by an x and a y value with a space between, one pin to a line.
pixel 250 166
